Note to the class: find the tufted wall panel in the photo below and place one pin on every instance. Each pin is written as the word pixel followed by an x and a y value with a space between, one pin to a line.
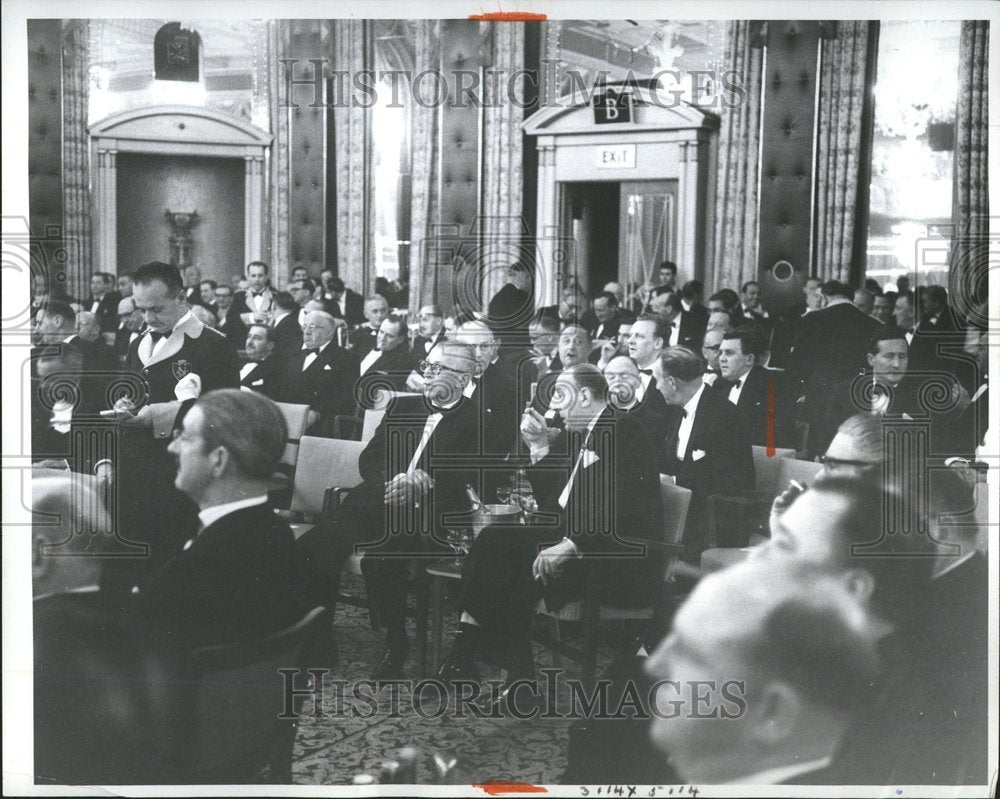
pixel 460 147
pixel 307 154
pixel 786 164
pixel 45 203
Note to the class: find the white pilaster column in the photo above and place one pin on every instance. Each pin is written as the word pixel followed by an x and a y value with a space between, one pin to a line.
pixel 550 254
pixel 253 208
pixel 105 211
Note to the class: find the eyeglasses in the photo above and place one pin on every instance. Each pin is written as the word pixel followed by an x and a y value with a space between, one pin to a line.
pixel 836 463
pixel 437 368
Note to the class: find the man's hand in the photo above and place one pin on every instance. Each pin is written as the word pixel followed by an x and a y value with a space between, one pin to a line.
pixel 415 382
pixel 782 502
pixel 405 488
pixel 312 417
pixel 608 351
pixel 144 418
pixel 549 562
pixel 534 430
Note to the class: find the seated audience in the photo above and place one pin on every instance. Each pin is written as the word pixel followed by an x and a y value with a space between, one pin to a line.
pixel 607 315
pixel 264 370
pixel 391 360
pixel 750 304
pixel 570 472
pixel 756 391
pixel 707 448
pixel 239 579
pixel 365 336
pixel 321 375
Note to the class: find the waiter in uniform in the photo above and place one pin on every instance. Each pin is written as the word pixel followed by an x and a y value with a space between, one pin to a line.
pixel 176 360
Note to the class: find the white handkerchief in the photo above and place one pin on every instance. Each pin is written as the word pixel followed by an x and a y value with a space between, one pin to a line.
pixel 188 387
pixel 590 458
pixel 258 382
pixel 697 454
pixel 328 368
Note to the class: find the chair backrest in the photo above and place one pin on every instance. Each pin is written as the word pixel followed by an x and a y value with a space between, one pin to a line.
pixel 296 417
pixel 373 418
pixel 675 501
pixel 324 463
pixel 766 469
pixel 793 469
pixel 239 694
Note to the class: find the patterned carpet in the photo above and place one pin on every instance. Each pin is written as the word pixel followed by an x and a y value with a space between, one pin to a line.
pixel 354 734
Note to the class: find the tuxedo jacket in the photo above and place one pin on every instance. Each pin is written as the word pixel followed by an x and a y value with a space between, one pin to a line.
pixel 266 376
pixel 653 413
pixel 232 327
pixel 327 386
pixel 123 338
pixel 613 504
pixel 830 347
pixel 692 332
pixel 761 386
pixel 451 458
pixel 363 340
pixel 242 304
pixel 607 329
pixel 237 582
pixel 966 431
pixel 510 312
pixel 497 402
pixel 423 345
pixel 289 334
pixel 389 371
pixel 718 458
pixel 937 346
pixel 354 305
pixel 107 311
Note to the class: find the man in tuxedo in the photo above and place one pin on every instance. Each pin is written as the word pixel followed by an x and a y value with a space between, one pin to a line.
pixel 129 325
pixel 264 371
pixel 693 299
pixel 125 284
pixel 414 472
pixel 937 343
pixel 230 324
pixel 391 360
pixel 103 302
pixel 755 390
pixel 597 481
pixel 624 382
pixel 192 285
pixel 736 704
pixel 905 316
pixel 830 347
pixel 239 579
pixel 666 274
pixel 365 336
pixel 545 345
pixel 285 321
pixel 882 307
pixel 511 309
pixel 750 303
pixel 177 359
pixel 608 316
pixel 298 273
pixel 646 344
pixel 710 349
pixel 343 303
pixel 320 375
pixel 206 295
pixel 302 292
pixel 572 309
pixel 617 345
pixel 708 447
pixel 256 302
pixel 864 301
pixel 430 330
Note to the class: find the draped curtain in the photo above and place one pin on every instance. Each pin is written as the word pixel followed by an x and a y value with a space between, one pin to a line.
pixel 424 168
pixel 353 148
pixel 278 45
pixel 841 169
pixel 76 155
pixel 969 273
pixel 503 227
pixel 735 241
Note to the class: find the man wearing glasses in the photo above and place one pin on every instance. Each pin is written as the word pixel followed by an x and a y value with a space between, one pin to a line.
pixel 320 375
pixel 414 472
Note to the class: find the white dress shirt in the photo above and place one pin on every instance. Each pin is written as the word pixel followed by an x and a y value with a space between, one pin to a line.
pixel 675 331
pixel 737 389
pixel 159 345
pixel 246 369
pixel 433 420
pixel 211 515
pixel 564 494
pixel 645 380
pixel 687 423
pixel 369 360
pixel 312 356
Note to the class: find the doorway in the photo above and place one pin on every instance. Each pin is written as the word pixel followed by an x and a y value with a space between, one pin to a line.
pixel 620 231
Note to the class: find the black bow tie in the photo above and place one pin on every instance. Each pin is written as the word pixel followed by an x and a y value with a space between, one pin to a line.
pixel 738 383
pixel 156 335
pixel 311 350
pixel 646 371
pixel 257 293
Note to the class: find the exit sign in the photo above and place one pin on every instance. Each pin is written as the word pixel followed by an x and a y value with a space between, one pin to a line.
pixel 612 106
pixel 615 156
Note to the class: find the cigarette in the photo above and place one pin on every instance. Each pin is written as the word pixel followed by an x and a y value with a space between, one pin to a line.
pixel 797 485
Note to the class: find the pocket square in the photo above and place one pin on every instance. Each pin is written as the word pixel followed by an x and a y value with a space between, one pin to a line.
pixel 697 454
pixel 590 458
pixel 258 382
pixel 328 368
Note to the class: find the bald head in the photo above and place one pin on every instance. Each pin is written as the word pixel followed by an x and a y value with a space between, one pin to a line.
pixel 479 336
pixel 623 378
pixel 87 326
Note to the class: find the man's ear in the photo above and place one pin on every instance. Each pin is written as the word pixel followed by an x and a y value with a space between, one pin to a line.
pixel 871 359
pixel 775 714
pixel 220 461
pixel 860 583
